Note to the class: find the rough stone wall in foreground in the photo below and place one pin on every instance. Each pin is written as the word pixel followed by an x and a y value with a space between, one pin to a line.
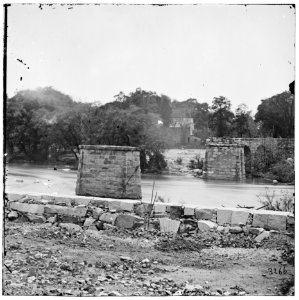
pixel 109 171
pixel 99 213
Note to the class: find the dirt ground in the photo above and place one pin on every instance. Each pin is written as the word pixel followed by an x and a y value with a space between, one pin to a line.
pixel 41 259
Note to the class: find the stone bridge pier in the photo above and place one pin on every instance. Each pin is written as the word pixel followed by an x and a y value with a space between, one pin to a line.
pixel 225 160
pixel 233 158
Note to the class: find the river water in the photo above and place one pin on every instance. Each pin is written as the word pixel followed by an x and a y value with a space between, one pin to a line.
pixel 175 189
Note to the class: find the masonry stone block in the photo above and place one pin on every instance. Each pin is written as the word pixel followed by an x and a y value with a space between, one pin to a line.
pixel 205 213
pixel 169 226
pixel 224 216
pixel 88 222
pixel 277 222
pixel 15 197
pixel 204 225
pixel 291 220
pixel 27 208
pixel 65 210
pixel 235 229
pixel 270 219
pixel 36 218
pixel 61 199
pixel 189 211
pixel 239 217
pixel 108 218
pixel 128 221
pixel 160 208
pixel 122 205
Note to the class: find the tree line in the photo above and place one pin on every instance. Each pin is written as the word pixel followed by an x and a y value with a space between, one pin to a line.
pixel 44 124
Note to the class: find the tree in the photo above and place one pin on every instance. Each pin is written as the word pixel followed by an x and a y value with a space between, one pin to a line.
pixel 243 122
pixel 276 116
pixel 221 117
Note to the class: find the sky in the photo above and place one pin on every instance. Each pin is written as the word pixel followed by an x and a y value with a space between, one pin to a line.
pixel 92 52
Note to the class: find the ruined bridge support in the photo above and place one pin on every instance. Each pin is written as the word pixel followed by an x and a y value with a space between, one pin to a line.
pixel 109 171
pixel 231 158
pixel 225 160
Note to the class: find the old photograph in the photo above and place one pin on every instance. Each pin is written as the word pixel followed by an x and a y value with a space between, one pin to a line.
pixel 148 150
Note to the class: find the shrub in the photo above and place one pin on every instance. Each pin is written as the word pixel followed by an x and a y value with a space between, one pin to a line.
pixel 196 163
pixel 286 202
pixel 283 172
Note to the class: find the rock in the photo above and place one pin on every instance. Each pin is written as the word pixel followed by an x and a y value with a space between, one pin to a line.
pixel 126 258
pixel 220 228
pixel 160 208
pixel 52 220
pixel 60 199
pixel 15 197
pixel 224 216
pixel 12 215
pixel 235 229
pixel 262 236
pixel 291 220
pixel 65 210
pixel 27 208
pixel 94 234
pixel 107 226
pixel 276 220
pixel 96 212
pixel 108 218
pixel 226 229
pixel 36 218
pixel 189 211
pixel 122 205
pixel 205 214
pixel 128 221
pixel 239 217
pixel 206 225
pixel 168 225
pixel 71 228
pixel 274 233
pixel 81 200
pixel 31 279
pixel 145 261
pixel 88 222
pixel 115 293
pixel 256 231
pixel 93 227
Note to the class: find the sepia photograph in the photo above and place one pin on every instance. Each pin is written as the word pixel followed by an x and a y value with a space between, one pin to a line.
pixel 148 149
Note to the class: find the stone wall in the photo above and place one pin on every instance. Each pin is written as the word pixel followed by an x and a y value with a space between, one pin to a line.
pixel 104 213
pixel 109 171
pixel 224 161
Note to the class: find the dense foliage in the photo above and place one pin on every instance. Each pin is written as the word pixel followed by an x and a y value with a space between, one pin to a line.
pixel 45 124
pixel 276 116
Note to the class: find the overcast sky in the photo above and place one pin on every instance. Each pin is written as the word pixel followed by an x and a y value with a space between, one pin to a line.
pixel 245 53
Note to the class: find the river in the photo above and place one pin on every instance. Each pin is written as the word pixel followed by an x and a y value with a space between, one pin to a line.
pixel 26 178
